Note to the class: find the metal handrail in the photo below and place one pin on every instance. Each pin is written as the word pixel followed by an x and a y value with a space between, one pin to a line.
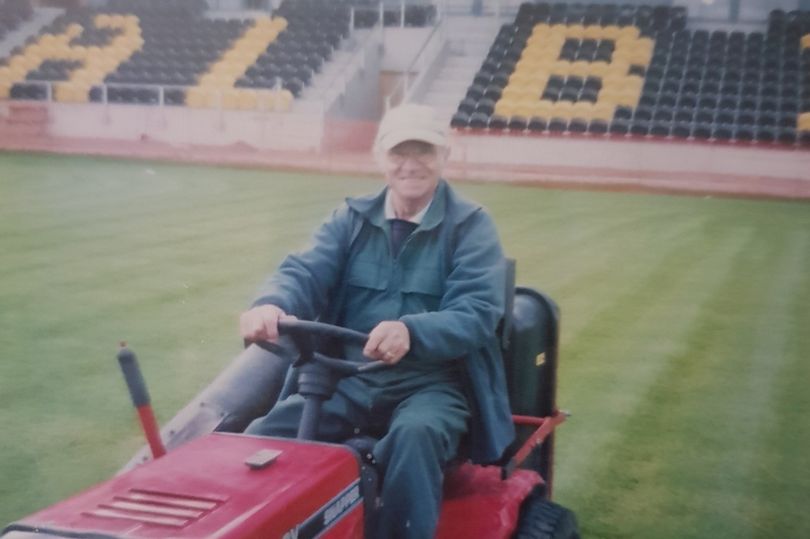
pixel 358 56
pixel 161 88
pixel 404 81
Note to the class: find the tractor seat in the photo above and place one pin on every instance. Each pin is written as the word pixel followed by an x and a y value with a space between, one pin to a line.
pixel 476 500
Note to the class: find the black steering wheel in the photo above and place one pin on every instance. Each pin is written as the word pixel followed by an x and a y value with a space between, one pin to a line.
pixel 319 374
pixel 303 333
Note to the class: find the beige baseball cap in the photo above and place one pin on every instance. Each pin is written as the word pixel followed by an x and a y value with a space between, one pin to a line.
pixel 410 121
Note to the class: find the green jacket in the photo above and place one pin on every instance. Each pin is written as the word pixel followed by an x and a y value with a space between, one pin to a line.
pixel 447 285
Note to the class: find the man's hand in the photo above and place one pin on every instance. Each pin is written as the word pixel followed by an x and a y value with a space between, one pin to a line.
pixel 261 323
pixel 388 342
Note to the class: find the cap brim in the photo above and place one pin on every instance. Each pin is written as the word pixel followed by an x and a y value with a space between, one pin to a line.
pixel 390 140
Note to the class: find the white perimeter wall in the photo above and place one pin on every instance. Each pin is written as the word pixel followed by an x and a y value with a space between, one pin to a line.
pixel 630 158
pixel 183 125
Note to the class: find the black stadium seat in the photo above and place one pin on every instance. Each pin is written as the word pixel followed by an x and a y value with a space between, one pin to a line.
pixel 479 120
pixel 619 127
pixel 518 123
pixel 460 120
pixel 598 127
pixel 497 122
pixel 537 124
pixel 557 125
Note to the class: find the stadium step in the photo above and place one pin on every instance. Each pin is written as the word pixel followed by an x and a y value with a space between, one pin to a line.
pixel 341 68
pixel 42 17
pixel 472 37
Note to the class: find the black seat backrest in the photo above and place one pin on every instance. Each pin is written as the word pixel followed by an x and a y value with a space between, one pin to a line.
pixel 530 354
pixel 530 340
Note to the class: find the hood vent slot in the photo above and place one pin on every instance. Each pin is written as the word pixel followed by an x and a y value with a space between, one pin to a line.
pixel 156 508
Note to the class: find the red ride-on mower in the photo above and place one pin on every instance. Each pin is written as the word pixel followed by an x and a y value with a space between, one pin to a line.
pixel 216 482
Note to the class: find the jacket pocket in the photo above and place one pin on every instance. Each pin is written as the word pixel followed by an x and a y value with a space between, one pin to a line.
pixel 367 275
pixel 423 281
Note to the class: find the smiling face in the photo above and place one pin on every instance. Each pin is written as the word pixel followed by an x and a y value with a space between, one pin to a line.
pixel 412 170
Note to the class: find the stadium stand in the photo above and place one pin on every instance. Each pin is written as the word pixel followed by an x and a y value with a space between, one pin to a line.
pixel 169 52
pixel 12 13
pixel 367 14
pixel 639 71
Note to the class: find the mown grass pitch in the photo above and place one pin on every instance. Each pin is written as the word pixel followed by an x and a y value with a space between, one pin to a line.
pixel 684 352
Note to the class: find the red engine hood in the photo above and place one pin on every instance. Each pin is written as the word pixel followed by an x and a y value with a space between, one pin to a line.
pixel 204 489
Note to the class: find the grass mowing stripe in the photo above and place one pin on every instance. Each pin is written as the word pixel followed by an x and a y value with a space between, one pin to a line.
pixel 608 264
pixel 181 226
pixel 780 477
pixel 768 359
pixel 672 463
pixel 652 316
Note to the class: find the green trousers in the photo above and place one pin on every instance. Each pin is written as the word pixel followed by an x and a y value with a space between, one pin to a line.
pixel 421 420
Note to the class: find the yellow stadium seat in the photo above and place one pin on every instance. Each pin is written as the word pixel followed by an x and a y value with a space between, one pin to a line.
pixel 582 109
pixel 512 91
pixel 629 31
pixel 524 109
pixel 611 84
pixel 640 58
pixel 63 93
pixel 561 68
pixel 230 98
pixel 598 68
pixel 611 32
pixel 284 99
pixel 633 82
pixel 542 59
pixel 248 100
pixel 197 97
pixel 562 109
pixel 522 78
pixel 536 85
pixel 266 100
pixel 5 89
pixel 804 121
pixel 17 73
pixel 74 30
pixel 628 99
pixel 24 63
pixel 575 30
pixel 593 31
pixel 506 107
pixel 535 42
pixel 805 41
pixel 34 49
pixel 603 110
pixel 618 67
pixel 609 95
pixel 525 65
pixel 580 68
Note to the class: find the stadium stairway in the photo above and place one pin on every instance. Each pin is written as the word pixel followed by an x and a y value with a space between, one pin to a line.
pixel 42 16
pixel 315 97
pixel 469 41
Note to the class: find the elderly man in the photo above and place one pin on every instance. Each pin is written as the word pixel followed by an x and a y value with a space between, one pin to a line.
pixel 421 271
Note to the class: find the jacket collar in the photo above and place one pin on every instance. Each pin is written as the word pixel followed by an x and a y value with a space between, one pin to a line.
pixel 372 207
